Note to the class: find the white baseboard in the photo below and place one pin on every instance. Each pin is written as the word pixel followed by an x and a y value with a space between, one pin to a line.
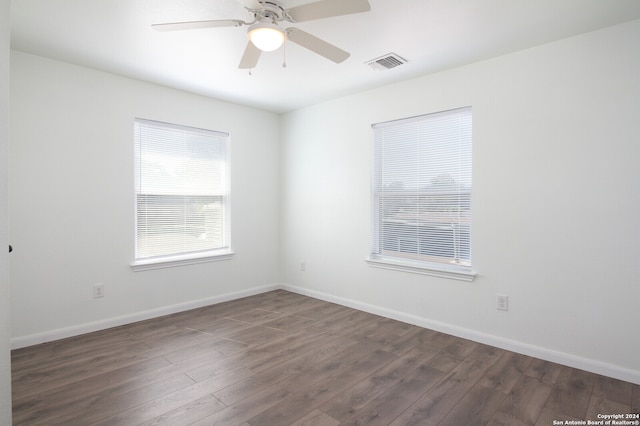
pixel 76 330
pixel 570 360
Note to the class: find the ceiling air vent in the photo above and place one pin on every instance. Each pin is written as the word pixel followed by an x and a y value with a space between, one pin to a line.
pixel 386 62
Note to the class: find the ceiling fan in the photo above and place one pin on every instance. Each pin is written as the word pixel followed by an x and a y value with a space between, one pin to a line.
pixel 265 33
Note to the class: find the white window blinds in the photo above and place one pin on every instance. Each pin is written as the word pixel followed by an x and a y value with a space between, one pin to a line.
pixel 182 191
pixel 422 190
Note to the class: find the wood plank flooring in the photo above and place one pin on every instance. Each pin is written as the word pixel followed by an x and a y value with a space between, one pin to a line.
pixel 280 358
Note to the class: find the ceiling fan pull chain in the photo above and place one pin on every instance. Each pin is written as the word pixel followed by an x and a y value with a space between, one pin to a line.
pixel 284 53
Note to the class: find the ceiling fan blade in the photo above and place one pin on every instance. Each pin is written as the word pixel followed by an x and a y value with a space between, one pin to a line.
pixel 326 9
pixel 317 45
pixel 192 25
pixel 250 57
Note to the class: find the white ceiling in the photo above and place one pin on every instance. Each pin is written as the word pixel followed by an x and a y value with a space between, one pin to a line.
pixel 433 35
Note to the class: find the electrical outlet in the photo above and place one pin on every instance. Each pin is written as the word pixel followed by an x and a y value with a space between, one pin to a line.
pixel 98 290
pixel 502 302
pixel 303 266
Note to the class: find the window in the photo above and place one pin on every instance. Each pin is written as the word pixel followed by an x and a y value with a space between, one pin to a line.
pixel 422 194
pixel 182 194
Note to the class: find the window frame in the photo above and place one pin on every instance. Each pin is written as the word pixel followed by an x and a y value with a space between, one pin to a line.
pixel 192 257
pixel 414 262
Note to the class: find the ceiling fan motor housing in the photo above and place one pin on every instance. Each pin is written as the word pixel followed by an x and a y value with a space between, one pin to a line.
pixel 270 10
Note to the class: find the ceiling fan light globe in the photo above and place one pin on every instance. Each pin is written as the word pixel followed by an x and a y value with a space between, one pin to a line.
pixel 266 37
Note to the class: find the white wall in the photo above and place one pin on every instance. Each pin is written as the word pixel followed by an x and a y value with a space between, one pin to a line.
pixel 71 208
pixel 5 300
pixel 555 204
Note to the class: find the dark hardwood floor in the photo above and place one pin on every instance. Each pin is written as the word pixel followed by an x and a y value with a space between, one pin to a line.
pixel 284 359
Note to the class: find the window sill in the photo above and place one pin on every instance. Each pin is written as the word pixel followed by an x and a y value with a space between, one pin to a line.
pixel 173 261
pixel 420 268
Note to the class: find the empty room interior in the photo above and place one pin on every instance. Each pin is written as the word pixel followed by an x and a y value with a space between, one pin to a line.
pixel 406 212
